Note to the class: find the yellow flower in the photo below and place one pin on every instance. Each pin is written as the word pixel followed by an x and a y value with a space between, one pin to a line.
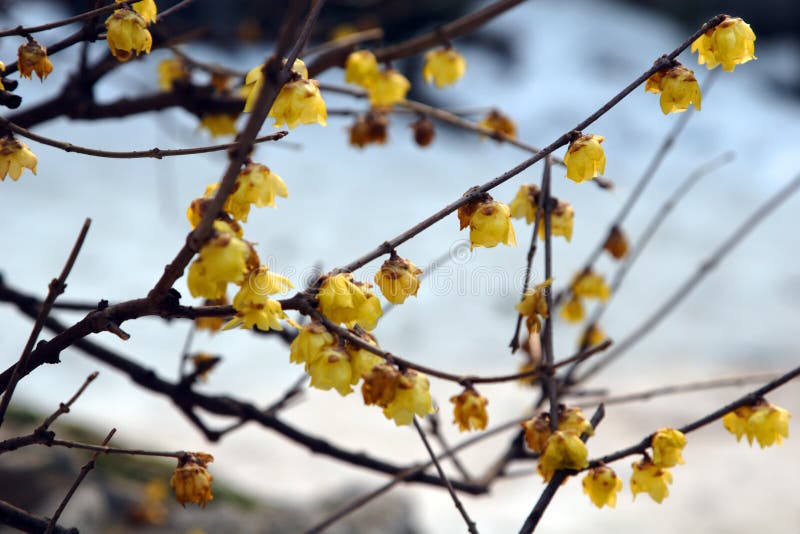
pixel 398 279
pixel 602 484
pixel 191 481
pixel 32 57
pixel 146 9
pixel 203 364
pixel 15 156
pixel 585 158
pixel 526 204
pixel 387 88
pixel 127 34
pixel 369 128
pixel 491 225
pixel 678 88
pixel 299 102
pixel 309 343
pixel 561 221
pixel 331 370
pixel 769 424
pixel 573 311
pixel 361 68
pixel 2 69
pixel 534 305
pixel 252 305
pixel 563 450
pixel 735 422
pixel 651 479
pixel 224 258
pixel 212 324
pixel 469 411
pixel 498 123
pixel 362 361
pixel 591 337
pixel 616 244
pixel 443 67
pixel 667 445
pixel 172 70
pixel 380 385
pixel 572 420
pixel 590 285
pixel 728 44
pixel 537 432
pixel 256 185
pixel 219 124
pixel 343 301
pixel 412 397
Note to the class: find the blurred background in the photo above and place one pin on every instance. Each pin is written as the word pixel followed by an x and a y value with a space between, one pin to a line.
pixel 548 65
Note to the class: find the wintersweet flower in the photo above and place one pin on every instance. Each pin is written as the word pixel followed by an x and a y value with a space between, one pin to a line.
pixel 254 82
pixel 525 203
pixel 590 285
pixel 591 337
pixel 469 410
pixel 563 450
pixel 562 220
pixel 343 301
pixel 398 279
pixel 616 244
pixel 219 124
pixel 585 158
pixel 651 479
pixel 170 71
pixel 678 88
pixel 127 34
pixel 32 57
pixel 412 397
pixel 309 343
pixel 361 67
pixel 769 424
pixel 490 225
pixel 387 88
pixel 224 258
pixel 572 420
pixel 573 311
pixel 537 432
pixel 256 185
pixel 533 305
pixel 15 156
pixel 298 101
pixel 362 361
pixel 191 481
pixel 380 385
pixel 253 305
pixel 730 43
pixel 602 484
pixel 146 9
pixel 499 123
pixel 667 445
pixel 331 370
pixel 443 67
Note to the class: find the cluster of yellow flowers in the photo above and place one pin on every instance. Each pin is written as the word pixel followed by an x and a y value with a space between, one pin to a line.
pixel 526 205
pixel 585 285
pixel 764 421
pixel 32 57
pixel 15 156
pixel 489 223
pixel 562 448
pixel 299 100
pixel 385 87
pixel 344 301
pixel 652 476
pixel 191 481
pixel 126 29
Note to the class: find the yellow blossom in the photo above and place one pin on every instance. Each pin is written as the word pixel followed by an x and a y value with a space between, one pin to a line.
pixel 398 279
pixel 526 204
pixel 534 305
pixel 256 185
pixel 491 225
pixel 469 410
pixel 380 385
pixel 667 445
pixel 32 57
pixel 219 124
pixel 146 9
pixel 769 424
pixel 343 301
pixel 498 123
pixel 537 432
pixel 678 88
pixel 361 68
pixel 573 420
pixel 331 370
pixel 563 450
pixel 309 343
pixel 616 244
pixel 591 285
pixel 730 43
pixel 15 156
pixel 444 66
pixel 387 88
pixel 602 484
pixel 591 337
pixel 585 158
pixel 172 70
pixel 362 361
pixel 203 364
pixel 252 305
pixel 561 221
pixel 573 311
pixel 411 398
pixel 212 324
pixel 735 422
pixel 224 258
pixel 127 34
pixel 651 479
pixel 191 481
pixel 298 102
pixel 2 69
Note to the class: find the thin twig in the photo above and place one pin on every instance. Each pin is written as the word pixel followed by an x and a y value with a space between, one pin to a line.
pixel 56 288
pixel 64 407
pixel 436 431
pixel 549 382
pixel 459 505
pixel 18 518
